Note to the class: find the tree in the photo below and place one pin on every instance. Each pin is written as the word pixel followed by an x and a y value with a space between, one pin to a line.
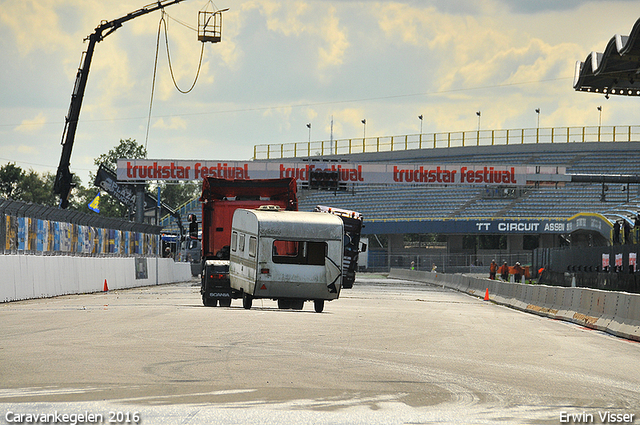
pixel 128 148
pixel 175 194
pixel 10 177
pixel 36 189
pixel 82 196
pixel 26 186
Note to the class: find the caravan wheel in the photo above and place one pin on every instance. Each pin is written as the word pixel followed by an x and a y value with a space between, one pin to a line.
pixel 284 303
pixel 318 305
pixel 247 300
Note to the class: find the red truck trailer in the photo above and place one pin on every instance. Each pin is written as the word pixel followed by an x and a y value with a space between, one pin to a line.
pixel 220 198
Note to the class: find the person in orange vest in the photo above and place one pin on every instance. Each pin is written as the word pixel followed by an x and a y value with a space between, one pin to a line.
pixel 518 271
pixel 504 271
pixel 493 268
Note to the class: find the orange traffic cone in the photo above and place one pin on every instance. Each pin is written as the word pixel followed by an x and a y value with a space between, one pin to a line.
pixel 486 294
pixel 106 288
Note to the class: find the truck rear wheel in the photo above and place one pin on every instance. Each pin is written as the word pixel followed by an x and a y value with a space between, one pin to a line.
pixel 247 300
pixel 318 305
pixel 297 304
pixel 225 302
pixel 209 302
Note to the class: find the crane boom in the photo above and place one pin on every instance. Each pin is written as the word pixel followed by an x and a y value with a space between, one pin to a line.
pixel 63 183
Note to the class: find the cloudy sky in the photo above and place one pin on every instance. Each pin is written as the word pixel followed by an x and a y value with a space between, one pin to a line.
pixel 283 64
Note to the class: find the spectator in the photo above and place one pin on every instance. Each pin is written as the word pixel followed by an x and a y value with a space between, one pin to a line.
pixel 627 232
pixel 616 232
pixel 493 268
pixel 518 271
pixel 434 268
pixel 413 265
pixel 193 226
pixel 636 227
pixel 504 271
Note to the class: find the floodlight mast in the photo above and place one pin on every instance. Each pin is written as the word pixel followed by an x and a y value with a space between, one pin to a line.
pixel 63 183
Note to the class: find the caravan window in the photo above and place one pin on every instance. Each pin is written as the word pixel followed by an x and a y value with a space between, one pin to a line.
pixel 241 242
pixel 234 241
pixel 253 243
pixel 299 252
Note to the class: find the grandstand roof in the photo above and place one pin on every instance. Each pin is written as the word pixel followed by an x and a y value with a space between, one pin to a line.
pixel 616 70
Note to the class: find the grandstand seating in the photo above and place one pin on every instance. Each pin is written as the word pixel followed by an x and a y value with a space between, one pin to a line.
pixel 450 201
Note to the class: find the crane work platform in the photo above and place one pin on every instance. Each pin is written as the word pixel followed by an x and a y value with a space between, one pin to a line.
pixel 210 26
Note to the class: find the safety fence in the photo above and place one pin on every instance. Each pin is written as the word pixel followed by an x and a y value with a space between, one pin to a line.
pixel 626 133
pixel 378 260
pixel 612 267
pixel 36 229
pixel 617 313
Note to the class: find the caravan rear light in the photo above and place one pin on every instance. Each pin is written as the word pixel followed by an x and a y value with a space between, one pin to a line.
pixel 264 271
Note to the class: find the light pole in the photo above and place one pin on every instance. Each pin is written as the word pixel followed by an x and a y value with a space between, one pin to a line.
pixel 364 129
pixel 599 116
pixel 309 127
pixel 538 112
pixel 331 139
pixel 478 114
pixel 420 118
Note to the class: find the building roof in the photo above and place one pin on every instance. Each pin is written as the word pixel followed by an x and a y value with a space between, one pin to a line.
pixel 614 72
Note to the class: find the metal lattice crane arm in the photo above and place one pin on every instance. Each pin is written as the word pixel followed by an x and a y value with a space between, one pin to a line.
pixel 63 183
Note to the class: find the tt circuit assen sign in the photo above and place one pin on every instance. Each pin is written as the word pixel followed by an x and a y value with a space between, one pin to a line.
pixel 494 226
pixel 364 173
pixel 581 221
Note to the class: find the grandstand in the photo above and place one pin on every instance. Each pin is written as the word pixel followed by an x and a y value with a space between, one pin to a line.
pixel 457 211
pixel 445 202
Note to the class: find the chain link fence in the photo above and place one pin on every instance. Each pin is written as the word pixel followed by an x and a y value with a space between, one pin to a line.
pixel 382 261
pixel 27 228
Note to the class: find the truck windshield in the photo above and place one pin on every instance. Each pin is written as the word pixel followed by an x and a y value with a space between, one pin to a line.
pixel 217 269
pixel 299 252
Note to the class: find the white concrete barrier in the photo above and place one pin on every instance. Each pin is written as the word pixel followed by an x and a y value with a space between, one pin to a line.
pixel 33 276
pixel 617 313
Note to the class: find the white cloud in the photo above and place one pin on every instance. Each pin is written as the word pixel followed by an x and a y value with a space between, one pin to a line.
pixel 283 64
pixel 32 125
pixel 335 39
pixel 173 123
pixel 35 24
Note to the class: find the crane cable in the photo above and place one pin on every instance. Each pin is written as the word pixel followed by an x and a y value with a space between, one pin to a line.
pixel 166 39
pixel 155 68
pixel 153 87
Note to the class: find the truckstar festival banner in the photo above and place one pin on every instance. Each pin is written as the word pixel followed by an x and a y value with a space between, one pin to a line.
pixel 364 173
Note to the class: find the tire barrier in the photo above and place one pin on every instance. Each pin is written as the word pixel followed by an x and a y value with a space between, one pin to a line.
pixel 616 313
pixel 36 276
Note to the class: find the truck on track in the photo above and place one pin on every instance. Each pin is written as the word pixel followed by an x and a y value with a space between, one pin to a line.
pixel 220 198
pixel 288 256
pixel 352 247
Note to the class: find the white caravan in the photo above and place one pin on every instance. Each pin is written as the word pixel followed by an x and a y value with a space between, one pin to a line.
pixel 287 256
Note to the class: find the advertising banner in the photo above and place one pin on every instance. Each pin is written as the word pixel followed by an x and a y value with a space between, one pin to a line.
pixel 43 230
pixel 619 260
pixel 106 180
pixel 23 233
pixel 359 173
pixel 11 243
pixel 32 242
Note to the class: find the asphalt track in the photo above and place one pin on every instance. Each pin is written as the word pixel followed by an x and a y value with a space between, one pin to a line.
pixel 386 352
